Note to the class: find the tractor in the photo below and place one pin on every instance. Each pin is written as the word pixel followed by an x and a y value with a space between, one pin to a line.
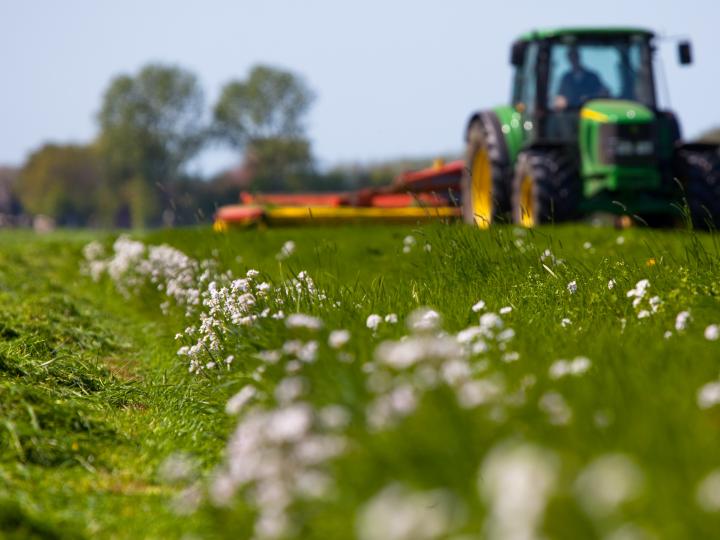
pixel 583 134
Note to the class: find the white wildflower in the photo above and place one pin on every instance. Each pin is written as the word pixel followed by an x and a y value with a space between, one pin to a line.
pixel 286 250
pixel 236 403
pixel 479 306
pixel 505 310
pixel 565 322
pixel 338 338
pixel 178 467
pixel 424 320
pixel 301 320
pixel 479 392
pixel 712 332
pixel 709 395
pixel 396 513
pixel 608 482
pixel 611 284
pixel 580 365
pixel 707 493
pixel 557 409
pixel 490 321
pixel 469 334
pixel 572 287
pixel 373 321
pixel 391 318
pixel 681 320
pixel 334 417
pixel 640 289
pixel 289 390
pixel 308 352
pixel 587 245
pixel 506 335
pixel 517 480
pixel 415 349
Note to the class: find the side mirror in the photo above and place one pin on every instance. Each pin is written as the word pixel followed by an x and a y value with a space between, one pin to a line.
pixel 517 53
pixel 685 53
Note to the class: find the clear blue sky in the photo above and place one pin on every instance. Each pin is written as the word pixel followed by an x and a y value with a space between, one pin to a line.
pixel 393 78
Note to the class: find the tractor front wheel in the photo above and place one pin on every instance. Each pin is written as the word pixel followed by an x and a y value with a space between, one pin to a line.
pixel 546 187
pixel 699 171
pixel 484 180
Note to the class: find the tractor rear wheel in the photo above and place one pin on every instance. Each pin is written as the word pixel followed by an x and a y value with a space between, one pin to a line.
pixel 699 171
pixel 485 178
pixel 546 186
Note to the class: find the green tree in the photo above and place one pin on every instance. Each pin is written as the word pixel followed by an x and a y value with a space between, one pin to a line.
pixel 264 117
pixel 62 182
pixel 150 126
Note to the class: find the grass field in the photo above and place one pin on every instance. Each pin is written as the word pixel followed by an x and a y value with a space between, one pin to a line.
pixel 357 387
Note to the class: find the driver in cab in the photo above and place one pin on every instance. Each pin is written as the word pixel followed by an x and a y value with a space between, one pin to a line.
pixel 578 84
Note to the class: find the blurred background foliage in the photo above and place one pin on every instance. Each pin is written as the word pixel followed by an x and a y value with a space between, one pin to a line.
pixel 151 124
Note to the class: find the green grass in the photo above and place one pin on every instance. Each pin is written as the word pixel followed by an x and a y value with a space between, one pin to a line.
pixel 93 398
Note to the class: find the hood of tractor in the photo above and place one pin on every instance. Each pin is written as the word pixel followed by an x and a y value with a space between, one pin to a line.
pixel 618 146
pixel 616 111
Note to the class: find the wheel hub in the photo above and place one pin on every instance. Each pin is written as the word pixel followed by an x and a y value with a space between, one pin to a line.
pixel 481 196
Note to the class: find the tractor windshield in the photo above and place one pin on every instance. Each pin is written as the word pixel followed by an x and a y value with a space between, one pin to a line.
pixel 583 70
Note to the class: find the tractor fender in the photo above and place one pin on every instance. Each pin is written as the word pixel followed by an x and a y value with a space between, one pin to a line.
pixel 492 136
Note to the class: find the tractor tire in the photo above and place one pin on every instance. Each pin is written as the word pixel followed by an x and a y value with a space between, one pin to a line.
pixel 486 178
pixel 546 187
pixel 698 169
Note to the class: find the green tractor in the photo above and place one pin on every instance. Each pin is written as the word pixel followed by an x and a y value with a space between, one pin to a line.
pixel 584 134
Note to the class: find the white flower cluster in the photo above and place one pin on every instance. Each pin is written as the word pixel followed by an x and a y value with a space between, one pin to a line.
pixel 403 370
pixel 643 304
pixel 276 457
pixel 243 302
pixel 398 513
pixel 374 320
pixel 302 289
pixel 408 243
pixel 226 306
pixel 547 257
pixel 516 481
pixel 133 265
pixel 562 368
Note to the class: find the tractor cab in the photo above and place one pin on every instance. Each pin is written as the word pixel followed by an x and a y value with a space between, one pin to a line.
pixel 557 73
pixel 583 133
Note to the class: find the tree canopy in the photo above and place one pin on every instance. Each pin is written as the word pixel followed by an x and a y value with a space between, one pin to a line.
pixel 151 124
pixel 61 182
pixel 270 104
pixel 264 117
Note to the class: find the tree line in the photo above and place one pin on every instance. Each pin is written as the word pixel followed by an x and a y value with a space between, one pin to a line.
pixel 151 124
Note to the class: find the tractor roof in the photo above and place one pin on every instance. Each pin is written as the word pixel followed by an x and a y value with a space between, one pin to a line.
pixel 599 32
